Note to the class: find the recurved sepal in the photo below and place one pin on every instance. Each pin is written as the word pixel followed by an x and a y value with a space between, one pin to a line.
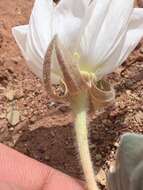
pixel 73 80
pixel 101 94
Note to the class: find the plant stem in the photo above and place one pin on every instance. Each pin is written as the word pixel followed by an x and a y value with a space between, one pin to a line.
pixel 79 105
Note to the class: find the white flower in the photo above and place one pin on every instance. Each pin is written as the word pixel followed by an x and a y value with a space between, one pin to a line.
pixel 102 32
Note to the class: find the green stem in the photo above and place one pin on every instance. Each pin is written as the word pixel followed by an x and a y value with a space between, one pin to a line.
pixel 79 105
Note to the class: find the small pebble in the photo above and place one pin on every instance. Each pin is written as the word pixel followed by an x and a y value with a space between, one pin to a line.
pixel 98 157
pixel 10 95
pixel 13 117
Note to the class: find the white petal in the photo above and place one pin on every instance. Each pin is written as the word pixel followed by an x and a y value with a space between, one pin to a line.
pixel 77 8
pixel 92 23
pixel 33 58
pixel 19 33
pixel 111 61
pixel 40 24
pixel 111 30
pixel 21 37
pixel 134 34
pixel 67 27
pixel 126 45
pixel 46 21
pixel 34 40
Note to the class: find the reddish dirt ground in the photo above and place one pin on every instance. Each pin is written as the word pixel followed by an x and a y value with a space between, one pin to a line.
pixel 43 129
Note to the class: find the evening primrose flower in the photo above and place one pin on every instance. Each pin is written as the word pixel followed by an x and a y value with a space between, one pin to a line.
pixel 100 34
pixel 88 39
